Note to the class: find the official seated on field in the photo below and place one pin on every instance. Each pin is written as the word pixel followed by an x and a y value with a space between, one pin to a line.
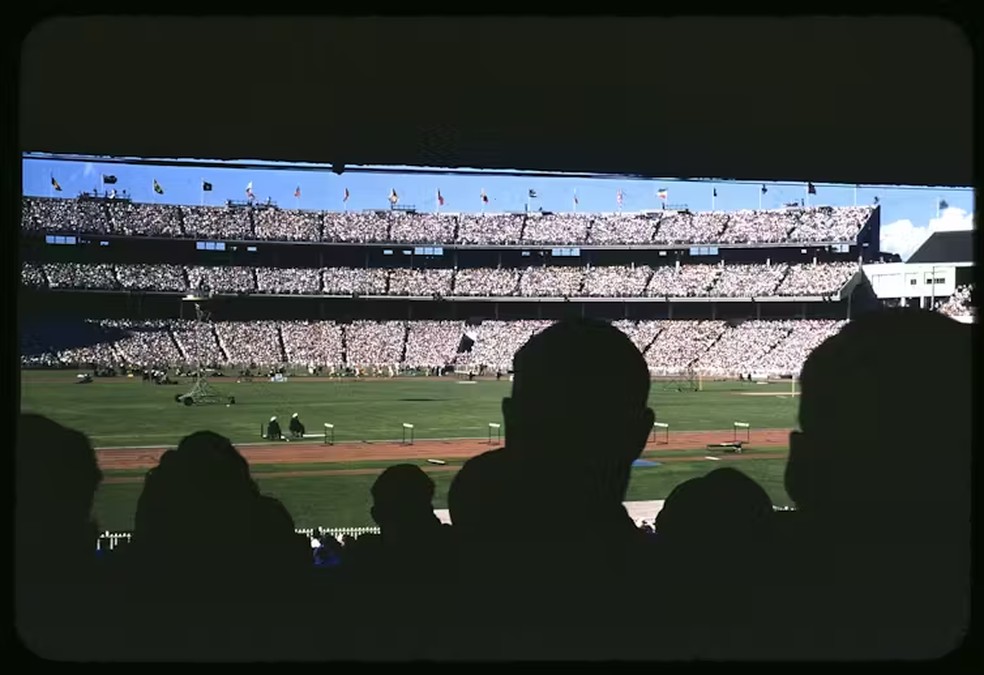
pixel 273 430
pixel 296 426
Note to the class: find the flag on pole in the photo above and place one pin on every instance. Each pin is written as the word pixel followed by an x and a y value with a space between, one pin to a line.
pixel 943 205
pixel 249 190
pixel 810 190
pixel 532 194
pixel 346 197
pixel 576 202
pixel 206 186
pixel 618 197
pixel 661 193
pixel 109 180
pixel 157 187
pixel 714 193
pixel 55 184
pixel 764 189
pixel 877 200
pixel 485 197
pixel 297 192
pixel 440 198
pixel 393 198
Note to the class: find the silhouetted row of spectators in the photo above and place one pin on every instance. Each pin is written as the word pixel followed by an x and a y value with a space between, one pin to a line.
pixel 541 558
pixel 813 224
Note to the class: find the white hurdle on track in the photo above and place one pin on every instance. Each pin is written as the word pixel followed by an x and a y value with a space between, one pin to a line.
pixel 329 433
pixel 407 427
pixel 497 428
pixel 666 429
pixel 746 427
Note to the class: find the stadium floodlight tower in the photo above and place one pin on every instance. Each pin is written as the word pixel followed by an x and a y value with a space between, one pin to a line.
pixel 202 392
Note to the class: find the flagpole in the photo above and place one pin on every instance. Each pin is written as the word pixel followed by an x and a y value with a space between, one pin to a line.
pixel 201 186
pixel 713 197
pixel 575 201
pixel 807 188
pixel 760 199
pixel 855 194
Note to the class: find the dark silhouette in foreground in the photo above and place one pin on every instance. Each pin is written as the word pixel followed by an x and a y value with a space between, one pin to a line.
pixel 544 535
pixel 54 540
pixel 203 534
pixel 880 473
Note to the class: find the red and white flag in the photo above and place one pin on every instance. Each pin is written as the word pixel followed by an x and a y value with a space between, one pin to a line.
pixel 249 190
pixel 297 192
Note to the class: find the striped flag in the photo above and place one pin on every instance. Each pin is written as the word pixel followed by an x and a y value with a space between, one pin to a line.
pixel 345 198
pixel 249 190
pixel 297 192
pixel 661 193
pixel 157 187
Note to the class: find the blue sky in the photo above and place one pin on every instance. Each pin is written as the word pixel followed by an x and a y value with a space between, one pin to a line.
pixel 909 212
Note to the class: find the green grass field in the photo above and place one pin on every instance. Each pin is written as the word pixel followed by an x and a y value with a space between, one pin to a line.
pixel 122 412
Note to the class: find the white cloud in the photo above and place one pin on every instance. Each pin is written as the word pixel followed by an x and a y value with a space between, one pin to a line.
pixel 903 237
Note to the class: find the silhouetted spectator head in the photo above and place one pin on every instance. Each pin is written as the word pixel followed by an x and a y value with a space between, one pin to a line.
pixel 402 496
pixel 198 500
pixel 580 390
pixel 57 477
pixel 885 418
pixel 724 507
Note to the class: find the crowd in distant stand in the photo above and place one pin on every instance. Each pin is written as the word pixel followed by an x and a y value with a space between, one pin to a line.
pixel 388 348
pixel 959 304
pixel 698 280
pixel 262 222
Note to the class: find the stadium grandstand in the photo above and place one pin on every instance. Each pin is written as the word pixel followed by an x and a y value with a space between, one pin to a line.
pixel 395 291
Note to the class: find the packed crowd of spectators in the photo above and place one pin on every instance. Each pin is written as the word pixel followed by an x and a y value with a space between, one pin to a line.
pixel 152 277
pixel 556 229
pixel 679 343
pixel 743 281
pixel 289 280
pixel 496 342
pixel 264 222
pixel 375 343
pixel 432 344
pixel 245 342
pixel 147 220
pixel 741 347
pixel 313 343
pixel 354 281
pixel 789 354
pixel 714 348
pixel 616 281
pixel 817 279
pixel 420 282
pixel 958 304
pixel 485 281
